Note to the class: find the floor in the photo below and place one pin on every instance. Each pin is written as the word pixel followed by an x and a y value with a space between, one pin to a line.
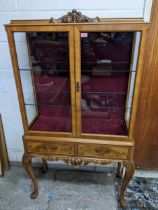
pixel 60 189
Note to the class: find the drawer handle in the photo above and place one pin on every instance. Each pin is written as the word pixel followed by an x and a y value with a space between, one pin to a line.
pixel 103 150
pixel 50 149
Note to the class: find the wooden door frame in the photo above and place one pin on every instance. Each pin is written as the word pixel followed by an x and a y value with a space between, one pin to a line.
pixel 103 25
pixel 109 28
pixel 11 29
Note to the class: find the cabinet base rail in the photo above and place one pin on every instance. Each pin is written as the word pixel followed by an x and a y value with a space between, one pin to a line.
pixel 77 162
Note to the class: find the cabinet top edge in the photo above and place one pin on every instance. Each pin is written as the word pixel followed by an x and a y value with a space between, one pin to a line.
pixel 103 21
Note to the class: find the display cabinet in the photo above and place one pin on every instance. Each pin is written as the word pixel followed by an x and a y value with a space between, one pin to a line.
pixel 78 82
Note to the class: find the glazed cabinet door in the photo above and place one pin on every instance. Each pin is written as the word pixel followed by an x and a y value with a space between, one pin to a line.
pixel 45 73
pixel 106 66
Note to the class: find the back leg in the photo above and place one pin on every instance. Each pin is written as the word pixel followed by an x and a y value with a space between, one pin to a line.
pixel 119 170
pixel 44 166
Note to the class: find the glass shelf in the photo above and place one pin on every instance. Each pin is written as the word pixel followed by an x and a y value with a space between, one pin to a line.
pixel 47 104
pixel 106 62
pixel 106 71
pixel 111 99
pixel 85 70
pixel 49 61
pixel 105 93
pixel 63 105
pixel 91 62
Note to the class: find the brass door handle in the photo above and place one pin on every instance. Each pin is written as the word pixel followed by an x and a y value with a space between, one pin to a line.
pixel 50 148
pixel 77 86
pixel 103 150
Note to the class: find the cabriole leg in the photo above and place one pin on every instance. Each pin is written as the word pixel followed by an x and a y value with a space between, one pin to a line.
pixel 28 166
pixel 130 167
pixel 44 166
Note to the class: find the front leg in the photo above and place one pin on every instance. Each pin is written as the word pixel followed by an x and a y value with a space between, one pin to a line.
pixel 28 166
pixel 130 167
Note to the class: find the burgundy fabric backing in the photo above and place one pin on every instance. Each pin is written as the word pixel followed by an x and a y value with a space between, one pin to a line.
pixel 55 110
pixel 102 120
pixel 103 96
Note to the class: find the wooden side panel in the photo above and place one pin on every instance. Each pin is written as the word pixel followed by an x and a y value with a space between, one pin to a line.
pixel 17 77
pixel 146 126
pixel 3 150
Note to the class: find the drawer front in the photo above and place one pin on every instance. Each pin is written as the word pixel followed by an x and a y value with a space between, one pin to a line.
pixel 53 148
pixel 103 151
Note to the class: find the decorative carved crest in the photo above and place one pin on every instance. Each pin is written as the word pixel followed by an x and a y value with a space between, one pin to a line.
pixel 74 17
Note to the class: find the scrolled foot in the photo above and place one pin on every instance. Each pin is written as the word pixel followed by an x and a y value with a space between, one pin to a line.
pixel 130 167
pixel 34 195
pixel 123 203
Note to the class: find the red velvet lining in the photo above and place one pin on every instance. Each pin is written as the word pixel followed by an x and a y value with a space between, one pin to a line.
pixel 55 109
pixel 104 126
pixel 53 92
pixel 52 123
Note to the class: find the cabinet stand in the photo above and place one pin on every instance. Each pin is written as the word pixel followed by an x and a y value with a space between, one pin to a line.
pixel 129 165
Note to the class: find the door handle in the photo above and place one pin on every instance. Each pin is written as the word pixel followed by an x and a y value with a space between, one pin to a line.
pixel 77 86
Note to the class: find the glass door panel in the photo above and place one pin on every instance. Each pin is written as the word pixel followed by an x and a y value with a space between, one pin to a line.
pixel 44 66
pixel 108 69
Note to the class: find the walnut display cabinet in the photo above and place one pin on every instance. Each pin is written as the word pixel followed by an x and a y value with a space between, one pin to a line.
pixel 78 82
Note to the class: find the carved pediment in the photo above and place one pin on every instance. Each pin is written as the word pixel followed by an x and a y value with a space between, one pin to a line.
pixel 74 17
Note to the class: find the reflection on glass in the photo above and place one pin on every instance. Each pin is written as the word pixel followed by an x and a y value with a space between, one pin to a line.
pixel 106 61
pixel 49 67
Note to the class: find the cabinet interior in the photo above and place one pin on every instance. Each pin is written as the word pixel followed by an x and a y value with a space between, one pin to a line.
pixel 108 63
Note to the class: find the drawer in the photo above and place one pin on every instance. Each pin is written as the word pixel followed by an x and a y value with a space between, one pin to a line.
pixel 53 148
pixel 103 151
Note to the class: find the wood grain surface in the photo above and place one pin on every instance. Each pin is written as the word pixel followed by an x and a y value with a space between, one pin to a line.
pixel 146 126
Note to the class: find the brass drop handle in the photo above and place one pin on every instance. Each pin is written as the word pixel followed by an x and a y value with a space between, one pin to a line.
pixel 50 149
pixel 103 150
